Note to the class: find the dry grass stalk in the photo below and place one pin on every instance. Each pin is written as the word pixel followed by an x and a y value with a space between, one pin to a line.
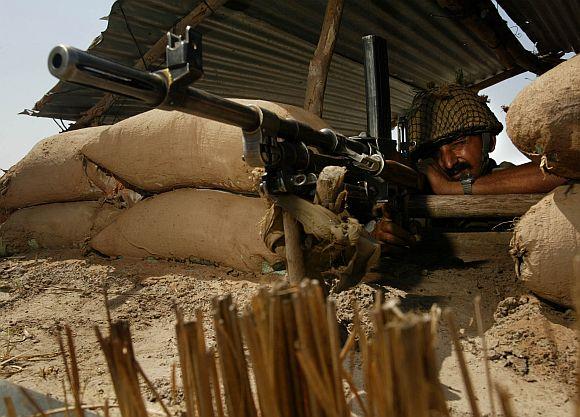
pixel 124 371
pixel 194 367
pixel 65 410
pixel 233 364
pixel 485 358
pixel 71 367
pixel 10 409
pixel 462 364
pixel 505 401
pixel 32 402
pixel 400 368
pixel 217 393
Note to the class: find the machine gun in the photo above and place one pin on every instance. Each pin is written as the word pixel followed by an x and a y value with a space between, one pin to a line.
pixel 291 152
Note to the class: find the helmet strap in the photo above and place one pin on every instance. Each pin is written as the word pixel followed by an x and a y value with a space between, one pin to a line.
pixel 486 143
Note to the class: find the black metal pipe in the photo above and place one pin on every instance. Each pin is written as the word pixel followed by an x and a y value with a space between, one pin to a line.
pixel 378 98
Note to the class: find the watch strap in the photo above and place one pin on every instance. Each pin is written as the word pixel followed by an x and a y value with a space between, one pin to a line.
pixel 467 185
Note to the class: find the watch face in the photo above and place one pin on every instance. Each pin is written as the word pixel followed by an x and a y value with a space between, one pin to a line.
pixel 467 178
pixel 466 182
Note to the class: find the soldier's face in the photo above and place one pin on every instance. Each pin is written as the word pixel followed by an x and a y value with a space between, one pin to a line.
pixel 461 157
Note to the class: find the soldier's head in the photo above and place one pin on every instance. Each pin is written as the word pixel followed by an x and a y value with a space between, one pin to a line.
pixel 455 127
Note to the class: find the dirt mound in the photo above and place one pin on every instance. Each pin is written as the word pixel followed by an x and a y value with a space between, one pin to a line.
pixel 534 340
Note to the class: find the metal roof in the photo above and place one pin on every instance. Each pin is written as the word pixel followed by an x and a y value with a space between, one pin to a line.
pixel 262 48
pixel 553 26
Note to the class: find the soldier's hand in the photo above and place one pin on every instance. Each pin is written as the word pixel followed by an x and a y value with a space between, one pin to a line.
pixel 393 237
pixel 438 180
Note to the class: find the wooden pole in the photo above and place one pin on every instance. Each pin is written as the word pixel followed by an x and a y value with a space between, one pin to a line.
pixel 317 75
pixel 294 256
pixel 320 63
pixel 451 206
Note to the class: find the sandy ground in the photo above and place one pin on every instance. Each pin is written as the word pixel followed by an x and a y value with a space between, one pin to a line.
pixel 532 345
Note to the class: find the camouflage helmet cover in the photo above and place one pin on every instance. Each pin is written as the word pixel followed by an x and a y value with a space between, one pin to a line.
pixel 444 114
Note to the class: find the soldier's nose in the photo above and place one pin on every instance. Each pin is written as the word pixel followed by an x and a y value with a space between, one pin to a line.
pixel 447 157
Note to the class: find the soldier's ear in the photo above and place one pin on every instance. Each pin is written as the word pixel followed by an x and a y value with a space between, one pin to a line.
pixel 491 144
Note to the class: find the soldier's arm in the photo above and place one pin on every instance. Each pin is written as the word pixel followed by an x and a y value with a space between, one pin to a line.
pixel 522 179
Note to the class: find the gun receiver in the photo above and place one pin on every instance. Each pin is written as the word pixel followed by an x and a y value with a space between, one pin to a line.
pixel 283 147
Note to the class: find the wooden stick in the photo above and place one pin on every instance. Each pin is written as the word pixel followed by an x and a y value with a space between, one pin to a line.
pixel 313 102
pixel 320 63
pixel 294 256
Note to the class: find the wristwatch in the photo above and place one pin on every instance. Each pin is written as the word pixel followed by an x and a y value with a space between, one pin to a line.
pixel 467 183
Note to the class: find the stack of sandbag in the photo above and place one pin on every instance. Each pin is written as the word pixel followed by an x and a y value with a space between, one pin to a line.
pixel 50 198
pixel 191 224
pixel 546 245
pixel 543 121
pixel 55 226
pixel 160 150
pixel 206 206
pixel 54 171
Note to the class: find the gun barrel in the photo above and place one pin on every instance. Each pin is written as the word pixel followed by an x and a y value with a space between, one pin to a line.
pixel 73 65
pixel 76 66
pixel 156 89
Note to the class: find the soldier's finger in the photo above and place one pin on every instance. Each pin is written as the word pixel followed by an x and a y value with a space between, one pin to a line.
pixel 391 239
pixel 394 229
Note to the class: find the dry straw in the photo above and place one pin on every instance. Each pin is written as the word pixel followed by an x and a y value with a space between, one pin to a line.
pixel 283 357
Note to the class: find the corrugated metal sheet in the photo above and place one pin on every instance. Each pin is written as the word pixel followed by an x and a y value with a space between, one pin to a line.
pixel 261 49
pixel 553 25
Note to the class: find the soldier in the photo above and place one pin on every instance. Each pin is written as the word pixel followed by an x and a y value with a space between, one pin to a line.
pixel 451 132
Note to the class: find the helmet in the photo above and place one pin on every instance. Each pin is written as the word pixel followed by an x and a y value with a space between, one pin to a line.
pixel 443 114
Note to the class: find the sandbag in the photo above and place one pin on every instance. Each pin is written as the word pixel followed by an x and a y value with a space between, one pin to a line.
pixel 191 224
pixel 54 226
pixel 544 119
pixel 162 150
pixel 545 241
pixel 54 171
